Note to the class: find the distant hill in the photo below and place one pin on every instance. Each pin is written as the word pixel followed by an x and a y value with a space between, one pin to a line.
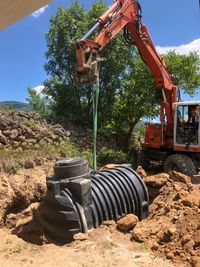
pixel 15 105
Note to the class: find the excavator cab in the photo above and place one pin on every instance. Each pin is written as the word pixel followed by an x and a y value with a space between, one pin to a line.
pixel 187 125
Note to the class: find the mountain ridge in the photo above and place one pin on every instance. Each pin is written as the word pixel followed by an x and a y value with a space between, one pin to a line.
pixel 12 104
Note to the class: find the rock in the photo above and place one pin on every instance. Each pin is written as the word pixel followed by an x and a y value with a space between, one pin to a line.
pixel 3 123
pixel 11 220
pixel 109 223
pixel 108 166
pixel 47 140
pixel 29 133
pixel 14 144
pixel 58 132
pixel 155 230
pixel 193 199
pixel 177 187
pixel 182 255
pixel 180 177
pixel 155 246
pixel 197 239
pixel 31 141
pixel 6 132
pixel 21 138
pixel 19 149
pixel 65 138
pixel 28 164
pixel 140 234
pixel 170 255
pixel 3 139
pixel 165 235
pixel 172 230
pixel 80 236
pixel 189 246
pixel 187 202
pixel 157 180
pixel 13 134
pixel 23 126
pixel 186 238
pixel 127 223
pixel 196 261
pixel 141 172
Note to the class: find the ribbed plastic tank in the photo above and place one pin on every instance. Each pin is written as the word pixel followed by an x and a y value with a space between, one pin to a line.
pixel 78 200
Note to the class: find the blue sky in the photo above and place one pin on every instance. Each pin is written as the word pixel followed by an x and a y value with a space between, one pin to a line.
pixel 174 24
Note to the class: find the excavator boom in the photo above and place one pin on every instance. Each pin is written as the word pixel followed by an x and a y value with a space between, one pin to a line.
pixel 126 15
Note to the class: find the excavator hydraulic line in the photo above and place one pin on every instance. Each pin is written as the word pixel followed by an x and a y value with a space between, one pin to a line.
pixel 96 25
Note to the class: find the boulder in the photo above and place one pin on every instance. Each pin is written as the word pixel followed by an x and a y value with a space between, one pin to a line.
pixel 127 223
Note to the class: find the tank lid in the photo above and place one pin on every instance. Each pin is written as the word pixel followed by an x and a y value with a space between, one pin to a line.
pixel 70 162
pixel 72 168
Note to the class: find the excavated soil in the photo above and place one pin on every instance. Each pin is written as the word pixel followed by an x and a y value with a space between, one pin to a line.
pixel 172 229
pixel 18 191
pixel 169 237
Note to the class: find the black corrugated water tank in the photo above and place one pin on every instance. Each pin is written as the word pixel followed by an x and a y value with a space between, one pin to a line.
pixel 78 200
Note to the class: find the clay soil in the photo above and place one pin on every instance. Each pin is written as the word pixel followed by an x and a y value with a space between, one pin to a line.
pixel 169 237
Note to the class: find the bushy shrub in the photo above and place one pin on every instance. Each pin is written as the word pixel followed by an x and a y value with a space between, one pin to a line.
pixel 107 155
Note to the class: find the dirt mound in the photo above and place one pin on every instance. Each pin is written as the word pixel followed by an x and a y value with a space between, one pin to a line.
pixel 173 226
pixel 19 190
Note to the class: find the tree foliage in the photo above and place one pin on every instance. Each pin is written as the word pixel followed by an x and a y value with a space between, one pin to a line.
pixel 36 102
pixel 185 70
pixel 138 97
pixel 70 99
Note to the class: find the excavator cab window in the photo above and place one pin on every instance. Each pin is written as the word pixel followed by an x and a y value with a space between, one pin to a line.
pixel 187 125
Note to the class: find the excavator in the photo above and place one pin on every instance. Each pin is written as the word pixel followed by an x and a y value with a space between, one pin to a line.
pixel 175 141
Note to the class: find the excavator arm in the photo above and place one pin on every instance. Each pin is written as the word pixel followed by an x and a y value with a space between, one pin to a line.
pixel 126 15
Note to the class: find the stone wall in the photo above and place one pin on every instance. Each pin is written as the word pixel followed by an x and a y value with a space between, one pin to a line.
pixel 22 130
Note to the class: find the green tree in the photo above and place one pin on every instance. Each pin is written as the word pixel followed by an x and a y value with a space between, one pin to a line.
pixel 185 71
pixel 36 102
pixel 138 96
pixel 70 99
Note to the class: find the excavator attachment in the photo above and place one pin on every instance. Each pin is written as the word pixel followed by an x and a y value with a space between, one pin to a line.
pixel 87 54
pixel 87 72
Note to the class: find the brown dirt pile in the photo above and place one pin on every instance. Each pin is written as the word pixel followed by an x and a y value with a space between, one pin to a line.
pixel 173 226
pixel 19 190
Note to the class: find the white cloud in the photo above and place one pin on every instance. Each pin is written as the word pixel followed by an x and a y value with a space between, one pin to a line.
pixel 183 49
pixel 39 12
pixel 39 89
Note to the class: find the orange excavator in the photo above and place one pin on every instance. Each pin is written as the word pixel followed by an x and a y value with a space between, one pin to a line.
pixel 175 141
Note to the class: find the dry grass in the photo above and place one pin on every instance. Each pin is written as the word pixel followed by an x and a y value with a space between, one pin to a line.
pixel 12 160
